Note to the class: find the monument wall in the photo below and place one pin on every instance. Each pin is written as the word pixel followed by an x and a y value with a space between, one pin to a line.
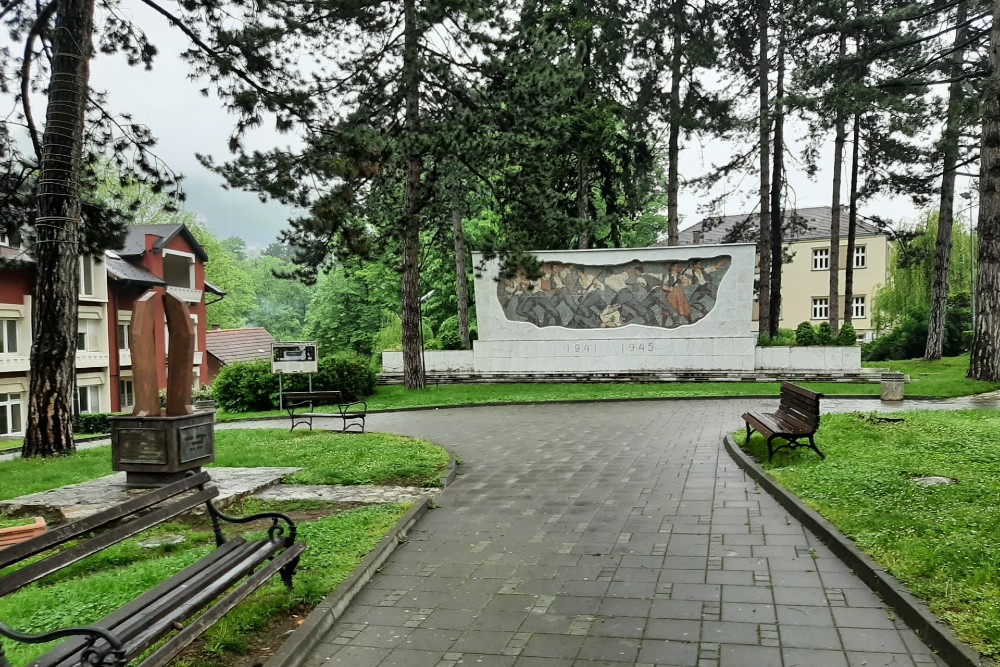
pixel 632 309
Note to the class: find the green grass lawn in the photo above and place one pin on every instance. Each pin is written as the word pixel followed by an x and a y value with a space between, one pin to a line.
pixel 938 379
pixel 328 458
pixel 942 542
pixel 86 592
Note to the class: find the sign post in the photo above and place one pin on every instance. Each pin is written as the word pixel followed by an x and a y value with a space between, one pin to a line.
pixel 292 359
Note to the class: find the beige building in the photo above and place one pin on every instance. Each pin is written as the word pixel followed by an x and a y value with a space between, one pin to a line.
pixel 805 281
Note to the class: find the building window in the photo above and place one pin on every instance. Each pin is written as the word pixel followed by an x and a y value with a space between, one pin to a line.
pixel 858 308
pixel 10 414
pixel 194 321
pixel 126 394
pixel 87 339
pixel 88 399
pixel 821 308
pixel 124 336
pixel 87 276
pixel 821 259
pixel 860 257
pixel 8 336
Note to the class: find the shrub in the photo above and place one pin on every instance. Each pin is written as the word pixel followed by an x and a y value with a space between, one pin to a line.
pixel 93 422
pixel 805 334
pixel 824 336
pixel 785 338
pixel 243 386
pixel 433 344
pixel 847 336
pixel 908 340
pixel 449 335
pixel 349 374
pixel 202 393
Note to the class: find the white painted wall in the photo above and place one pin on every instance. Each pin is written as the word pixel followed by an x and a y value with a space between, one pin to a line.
pixel 809 358
pixel 456 361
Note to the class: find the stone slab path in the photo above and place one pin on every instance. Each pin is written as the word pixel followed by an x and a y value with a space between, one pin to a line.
pixel 347 494
pixel 76 501
pixel 608 534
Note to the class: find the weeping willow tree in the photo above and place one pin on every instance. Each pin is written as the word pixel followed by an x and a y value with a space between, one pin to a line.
pixel 910 279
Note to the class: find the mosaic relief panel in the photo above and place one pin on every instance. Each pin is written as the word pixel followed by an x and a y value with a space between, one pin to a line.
pixel 653 294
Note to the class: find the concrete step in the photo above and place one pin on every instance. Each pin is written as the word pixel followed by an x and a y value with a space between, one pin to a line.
pixel 865 376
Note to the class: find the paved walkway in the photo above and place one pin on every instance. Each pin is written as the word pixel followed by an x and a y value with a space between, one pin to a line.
pixel 609 534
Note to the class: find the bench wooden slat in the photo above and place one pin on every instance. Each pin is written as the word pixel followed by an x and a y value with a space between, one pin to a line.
pixel 144 601
pixel 183 639
pixel 36 571
pixel 70 531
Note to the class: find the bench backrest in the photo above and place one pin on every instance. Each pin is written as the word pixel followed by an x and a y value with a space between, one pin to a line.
pixel 146 511
pixel 312 396
pixel 800 404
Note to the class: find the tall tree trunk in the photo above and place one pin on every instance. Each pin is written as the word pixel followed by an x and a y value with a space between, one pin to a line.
pixel 413 368
pixel 764 238
pixel 777 255
pixel 839 139
pixel 946 210
pixel 49 429
pixel 985 359
pixel 461 278
pixel 583 198
pixel 852 223
pixel 674 140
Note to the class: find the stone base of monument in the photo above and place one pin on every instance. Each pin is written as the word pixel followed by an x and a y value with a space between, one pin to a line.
pixel 153 451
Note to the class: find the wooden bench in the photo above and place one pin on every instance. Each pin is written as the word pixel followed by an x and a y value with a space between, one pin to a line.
pixel 797 417
pixel 228 574
pixel 351 413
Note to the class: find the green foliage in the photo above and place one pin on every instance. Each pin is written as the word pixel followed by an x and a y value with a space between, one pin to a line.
pixel 347 308
pixel 910 276
pixel 908 339
pixel 93 422
pixel 847 336
pixel 785 338
pixel 243 386
pixel 246 386
pixel 433 344
pixel 282 304
pixel 389 337
pixel 942 542
pixel 805 334
pixel 824 334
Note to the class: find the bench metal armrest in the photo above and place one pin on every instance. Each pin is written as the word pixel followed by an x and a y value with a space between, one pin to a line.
pixel 90 655
pixel 275 531
pixel 346 407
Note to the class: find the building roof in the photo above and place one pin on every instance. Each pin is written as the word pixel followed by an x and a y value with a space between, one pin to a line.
pixel 214 289
pixel 122 270
pixel 816 226
pixel 230 345
pixel 135 241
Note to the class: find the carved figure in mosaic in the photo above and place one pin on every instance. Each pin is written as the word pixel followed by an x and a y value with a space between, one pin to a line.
pixel 657 294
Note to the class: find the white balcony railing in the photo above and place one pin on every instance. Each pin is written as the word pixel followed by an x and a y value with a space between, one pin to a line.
pixel 92 359
pixel 15 363
pixel 185 294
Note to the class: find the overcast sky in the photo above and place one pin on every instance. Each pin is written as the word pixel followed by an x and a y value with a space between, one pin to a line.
pixel 186 123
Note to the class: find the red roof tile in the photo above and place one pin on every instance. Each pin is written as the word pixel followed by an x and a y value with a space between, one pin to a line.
pixel 230 345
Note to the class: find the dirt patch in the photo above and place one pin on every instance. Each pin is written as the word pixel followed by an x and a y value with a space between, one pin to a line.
pixel 260 646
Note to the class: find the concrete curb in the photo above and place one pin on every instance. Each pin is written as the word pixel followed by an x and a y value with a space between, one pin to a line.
pixel 935 632
pixel 451 473
pixel 297 647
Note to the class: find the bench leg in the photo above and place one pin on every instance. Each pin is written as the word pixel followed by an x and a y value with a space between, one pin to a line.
pixel 770 448
pixel 749 431
pixel 812 444
pixel 288 571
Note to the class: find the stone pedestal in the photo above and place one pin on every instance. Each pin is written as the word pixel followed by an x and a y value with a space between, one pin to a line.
pixel 892 386
pixel 154 451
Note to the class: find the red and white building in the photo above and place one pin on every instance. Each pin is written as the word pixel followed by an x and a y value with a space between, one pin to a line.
pixel 166 258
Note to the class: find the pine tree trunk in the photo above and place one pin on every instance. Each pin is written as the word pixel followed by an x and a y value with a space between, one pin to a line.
pixel 985 359
pixel 764 238
pixel 946 210
pixel 777 254
pixel 839 139
pixel 583 199
pixel 49 429
pixel 413 368
pixel 852 224
pixel 674 142
pixel 461 279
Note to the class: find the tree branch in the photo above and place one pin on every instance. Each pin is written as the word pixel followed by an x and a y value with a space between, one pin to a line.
pixel 29 45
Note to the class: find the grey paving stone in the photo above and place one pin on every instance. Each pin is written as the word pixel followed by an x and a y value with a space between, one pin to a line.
pixel 608 534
